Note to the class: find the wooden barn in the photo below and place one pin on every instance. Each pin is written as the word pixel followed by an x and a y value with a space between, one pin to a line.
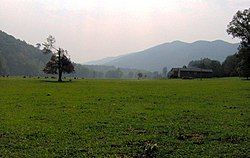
pixel 190 73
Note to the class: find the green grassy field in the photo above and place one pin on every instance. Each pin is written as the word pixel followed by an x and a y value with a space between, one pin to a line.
pixel 124 118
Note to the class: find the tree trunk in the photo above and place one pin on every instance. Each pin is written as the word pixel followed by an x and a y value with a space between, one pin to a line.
pixel 60 76
pixel 59 66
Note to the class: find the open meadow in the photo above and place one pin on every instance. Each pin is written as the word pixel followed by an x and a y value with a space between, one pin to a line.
pixel 124 118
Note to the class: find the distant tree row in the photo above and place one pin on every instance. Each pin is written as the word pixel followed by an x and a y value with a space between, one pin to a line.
pixel 229 68
pixel 111 72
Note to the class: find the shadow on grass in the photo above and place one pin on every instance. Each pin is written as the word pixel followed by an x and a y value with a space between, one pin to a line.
pixel 55 81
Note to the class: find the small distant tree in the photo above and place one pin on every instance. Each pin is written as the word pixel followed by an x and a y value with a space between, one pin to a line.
pixel 165 72
pixel 140 75
pixel 117 73
pixel 1 67
pixel 131 74
pixel 59 62
pixel 240 27
pixel 156 75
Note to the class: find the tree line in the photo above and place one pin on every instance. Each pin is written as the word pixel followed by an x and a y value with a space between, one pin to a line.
pixel 228 68
pixel 100 71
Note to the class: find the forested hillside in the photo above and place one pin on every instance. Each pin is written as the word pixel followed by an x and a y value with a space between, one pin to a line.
pixel 19 58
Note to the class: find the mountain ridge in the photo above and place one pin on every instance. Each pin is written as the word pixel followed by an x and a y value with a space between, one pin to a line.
pixel 171 54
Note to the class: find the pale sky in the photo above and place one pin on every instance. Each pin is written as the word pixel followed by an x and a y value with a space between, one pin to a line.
pixel 94 29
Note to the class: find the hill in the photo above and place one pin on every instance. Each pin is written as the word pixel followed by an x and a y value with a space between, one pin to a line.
pixel 19 58
pixel 173 54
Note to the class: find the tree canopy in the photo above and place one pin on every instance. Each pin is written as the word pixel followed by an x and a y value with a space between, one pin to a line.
pixel 208 64
pixel 230 65
pixel 240 27
pixel 59 62
pixel 244 64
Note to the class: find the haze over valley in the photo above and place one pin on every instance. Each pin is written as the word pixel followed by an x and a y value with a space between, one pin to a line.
pixel 174 54
pixel 124 78
pixel 94 29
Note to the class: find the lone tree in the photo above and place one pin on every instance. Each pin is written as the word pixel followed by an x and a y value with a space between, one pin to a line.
pixel 240 27
pixel 59 62
pixel 140 75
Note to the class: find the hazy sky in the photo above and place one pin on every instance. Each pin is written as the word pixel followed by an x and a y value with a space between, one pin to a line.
pixel 93 29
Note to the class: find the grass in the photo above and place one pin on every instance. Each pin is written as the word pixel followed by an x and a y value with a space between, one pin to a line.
pixel 124 118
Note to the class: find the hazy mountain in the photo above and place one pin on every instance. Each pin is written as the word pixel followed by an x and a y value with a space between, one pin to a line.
pixel 173 54
pixel 19 58
pixel 99 62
